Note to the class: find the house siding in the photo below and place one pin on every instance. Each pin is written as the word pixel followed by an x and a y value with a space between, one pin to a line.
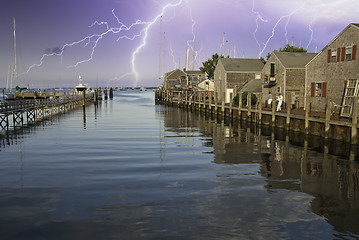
pixel 321 69
pixel 295 82
pixel 279 75
pixel 219 80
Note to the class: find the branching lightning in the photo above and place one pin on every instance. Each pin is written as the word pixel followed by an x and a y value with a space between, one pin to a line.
pixel 312 33
pixel 175 64
pixel 94 40
pixel 145 33
pixel 259 17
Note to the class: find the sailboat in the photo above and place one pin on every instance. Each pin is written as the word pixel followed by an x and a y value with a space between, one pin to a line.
pixel 9 95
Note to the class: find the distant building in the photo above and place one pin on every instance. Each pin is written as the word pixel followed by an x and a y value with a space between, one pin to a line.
pixel 284 73
pixel 175 79
pixel 206 85
pixel 334 72
pixel 231 74
pixel 194 77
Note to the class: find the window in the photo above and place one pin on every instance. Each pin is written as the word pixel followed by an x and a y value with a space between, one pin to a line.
pixel 319 89
pixel 334 55
pixel 348 53
pixel 272 70
pixel 278 89
pixel 257 76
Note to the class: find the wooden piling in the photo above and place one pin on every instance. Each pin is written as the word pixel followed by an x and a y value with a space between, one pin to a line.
pixel 105 92
pixel 240 106
pixel 210 102
pixel 354 121
pixel 215 102
pixel 223 103
pixel 289 106
pixel 274 101
pixel 249 104
pixel 260 109
pixel 327 118
pixel 111 93
pixel 230 105
pixel 306 121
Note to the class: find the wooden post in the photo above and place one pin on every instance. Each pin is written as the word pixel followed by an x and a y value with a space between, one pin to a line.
pixel 230 104
pixel 178 98
pixel 204 101
pixel 240 106
pixel 327 118
pixel 223 102
pixel 260 109
pixel 105 91
pixel 210 102
pixel 215 102
pixel 354 121
pixel 306 121
pixel 84 98
pixel 186 99
pixel 289 106
pixel 249 104
pixel 274 101
pixel 111 93
pixel 95 96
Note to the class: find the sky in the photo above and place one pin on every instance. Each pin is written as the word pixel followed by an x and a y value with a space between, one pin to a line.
pixel 120 43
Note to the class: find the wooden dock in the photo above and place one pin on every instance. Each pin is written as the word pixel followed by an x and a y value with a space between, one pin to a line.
pixel 19 113
pixel 327 124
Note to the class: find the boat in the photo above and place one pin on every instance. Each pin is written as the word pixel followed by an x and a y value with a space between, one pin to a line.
pixel 80 87
pixel 142 89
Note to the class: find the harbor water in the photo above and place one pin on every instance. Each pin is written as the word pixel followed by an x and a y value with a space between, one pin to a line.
pixel 130 169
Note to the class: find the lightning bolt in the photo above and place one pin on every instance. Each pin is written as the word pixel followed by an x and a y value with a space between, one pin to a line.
pixel 312 33
pixel 145 35
pixel 258 17
pixel 173 57
pixel 92 39
pixel 193 34
pixel 275 27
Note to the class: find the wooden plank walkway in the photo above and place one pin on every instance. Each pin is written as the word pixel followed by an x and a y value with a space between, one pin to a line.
pixel 327 124
pixel 18 113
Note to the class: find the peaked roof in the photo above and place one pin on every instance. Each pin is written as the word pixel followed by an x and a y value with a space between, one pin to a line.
pixel 242 64
pixel 175 73
pixel 194 72
pixel 252 86
pixel 294 59
pixel 356 25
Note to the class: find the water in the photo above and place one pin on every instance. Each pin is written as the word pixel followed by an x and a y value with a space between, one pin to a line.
pixel 129 169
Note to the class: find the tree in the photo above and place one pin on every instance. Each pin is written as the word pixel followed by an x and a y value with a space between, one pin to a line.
pixel 210 65
pixel 286 48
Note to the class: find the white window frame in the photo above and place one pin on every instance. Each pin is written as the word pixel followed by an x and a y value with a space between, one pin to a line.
pixel 348 53
pixel 334 55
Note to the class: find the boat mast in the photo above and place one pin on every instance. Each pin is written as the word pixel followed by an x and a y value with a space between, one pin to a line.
pixel 15 67
pixel 8 75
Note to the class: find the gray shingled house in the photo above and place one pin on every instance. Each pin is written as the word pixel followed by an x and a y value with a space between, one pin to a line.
pixel 194 77
pixel 334 72
pixel 234 73
pixel 284 73
pixel 175 79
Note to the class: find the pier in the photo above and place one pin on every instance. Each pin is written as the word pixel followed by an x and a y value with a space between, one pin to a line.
pixel 23 112
pixel 328 124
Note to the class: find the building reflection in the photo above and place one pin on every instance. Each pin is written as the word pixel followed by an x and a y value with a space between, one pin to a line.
pixel 289 161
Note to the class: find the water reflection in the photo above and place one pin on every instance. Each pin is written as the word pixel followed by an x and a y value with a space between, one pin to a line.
pixel 288 161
